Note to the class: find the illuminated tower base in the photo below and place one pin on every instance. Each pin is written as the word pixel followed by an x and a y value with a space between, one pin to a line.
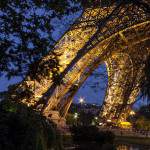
pixel 118 35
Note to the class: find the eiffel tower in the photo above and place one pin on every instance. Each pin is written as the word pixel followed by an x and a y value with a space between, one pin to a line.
pixel 117 35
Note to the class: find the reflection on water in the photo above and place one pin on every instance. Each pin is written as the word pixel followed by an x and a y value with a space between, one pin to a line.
pixel 96 146
pixel 122 147
pixel 132 147
pixel 88 146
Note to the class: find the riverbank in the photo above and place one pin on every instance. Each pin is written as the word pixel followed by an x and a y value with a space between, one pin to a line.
pixel 80 139
pixel 132 140
pixel 125 136
pixel 120 142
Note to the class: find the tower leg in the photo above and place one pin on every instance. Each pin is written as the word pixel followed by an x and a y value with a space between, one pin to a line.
pixel 122 87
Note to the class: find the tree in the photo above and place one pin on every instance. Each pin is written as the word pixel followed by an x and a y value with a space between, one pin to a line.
pixel 142 123
pixel 26 32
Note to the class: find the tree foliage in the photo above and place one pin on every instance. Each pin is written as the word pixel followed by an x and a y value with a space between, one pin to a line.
pixel 23 129
pixel 26 31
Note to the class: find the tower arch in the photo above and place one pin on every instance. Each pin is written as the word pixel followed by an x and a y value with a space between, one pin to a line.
pixel 122 66
pixel 99 35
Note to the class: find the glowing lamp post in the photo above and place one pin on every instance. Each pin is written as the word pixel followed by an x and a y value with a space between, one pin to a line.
pixel 100 123
pixel 108 120
pixel 75 117
pixel 81 100
pixel 96 118
pixel 132 113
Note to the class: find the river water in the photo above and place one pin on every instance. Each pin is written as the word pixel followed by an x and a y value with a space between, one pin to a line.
pixel 117 147
pixel 132 147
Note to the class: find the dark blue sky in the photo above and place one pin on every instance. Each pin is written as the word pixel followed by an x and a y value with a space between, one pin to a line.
pixel 94 88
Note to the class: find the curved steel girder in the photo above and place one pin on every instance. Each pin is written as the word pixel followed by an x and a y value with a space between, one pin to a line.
pixel 113 68
pixel 117 28
pixel 121 17
pixel 124 78
pixel 115 65
pixel 120 79
pixel 67 47
pixel 93 55
pixel 76 43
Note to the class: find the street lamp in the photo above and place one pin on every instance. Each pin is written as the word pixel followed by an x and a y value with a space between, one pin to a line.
pixel 81 100
pixel 75 118
pixel 100 123
pixel 75 115
pixel 108 120
pixel 132 112
pixel 96 118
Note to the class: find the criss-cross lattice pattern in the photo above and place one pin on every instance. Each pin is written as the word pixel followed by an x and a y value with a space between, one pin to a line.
pixel 103 34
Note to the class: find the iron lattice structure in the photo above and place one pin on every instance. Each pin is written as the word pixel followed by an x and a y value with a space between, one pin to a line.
pixel 117 35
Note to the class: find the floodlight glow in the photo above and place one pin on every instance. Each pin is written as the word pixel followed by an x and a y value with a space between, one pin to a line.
pixel 81 100
pixel 75 115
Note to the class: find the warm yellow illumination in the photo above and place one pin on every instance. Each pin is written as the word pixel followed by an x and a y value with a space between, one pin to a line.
pixel 132 113
pixel 108 120
pixel 96 118
pixel 75 115
pixel 100 123
pixel 110 46
pixel 125 124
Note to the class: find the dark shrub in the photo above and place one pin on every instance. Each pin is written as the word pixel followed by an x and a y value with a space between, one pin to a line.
pixel 24 129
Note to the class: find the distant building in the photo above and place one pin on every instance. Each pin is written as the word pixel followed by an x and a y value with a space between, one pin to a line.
pixel 87 108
